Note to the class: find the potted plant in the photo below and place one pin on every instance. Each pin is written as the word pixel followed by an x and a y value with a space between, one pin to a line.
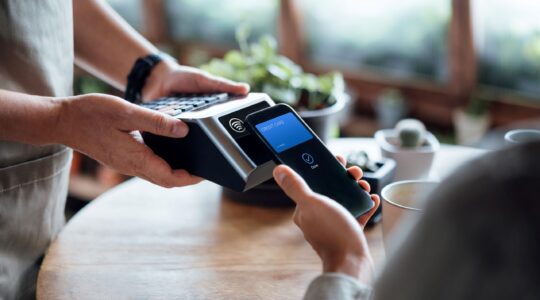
pixel 411 146
pixel 390 107
pixel 472 122
pixel 378 173
pixel 318 99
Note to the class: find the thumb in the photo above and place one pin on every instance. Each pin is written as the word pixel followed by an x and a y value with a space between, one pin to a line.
pixel 292 184
pixel 157 123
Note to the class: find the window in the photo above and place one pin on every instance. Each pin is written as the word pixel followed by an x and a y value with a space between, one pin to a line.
pixel 507 36
pixel 398 38
pixel 378 44
pixel 215 21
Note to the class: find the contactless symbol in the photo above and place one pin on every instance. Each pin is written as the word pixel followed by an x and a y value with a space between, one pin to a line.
pixel 308 158
pixel 237 125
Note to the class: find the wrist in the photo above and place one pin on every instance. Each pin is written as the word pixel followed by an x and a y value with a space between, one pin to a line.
pixel 60 120
pixel 48 120
pixel 153 86
pixel 356 266
pixel 29 119
pixel 145 79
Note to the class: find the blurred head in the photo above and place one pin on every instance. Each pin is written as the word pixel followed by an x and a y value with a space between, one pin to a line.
pixel 480 237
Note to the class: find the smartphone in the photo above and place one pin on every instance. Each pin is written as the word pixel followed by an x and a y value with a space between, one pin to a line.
pixel 293 143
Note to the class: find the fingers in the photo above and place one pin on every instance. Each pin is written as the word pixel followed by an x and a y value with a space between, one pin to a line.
pixel 292 184
pixel 156 123
pixel 156 170
pixel 363 219
pixel 186 178
pixel 341 160
pixel 219 84
pixel 355 172
pixel 365 185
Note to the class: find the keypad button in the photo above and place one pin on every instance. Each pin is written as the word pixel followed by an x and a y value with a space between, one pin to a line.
pixel 179 103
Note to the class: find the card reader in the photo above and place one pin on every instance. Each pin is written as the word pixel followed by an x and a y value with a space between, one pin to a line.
pixel 218 146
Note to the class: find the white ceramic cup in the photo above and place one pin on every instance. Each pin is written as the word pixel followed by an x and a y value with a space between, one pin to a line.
pixel 403 199
pixel 518 136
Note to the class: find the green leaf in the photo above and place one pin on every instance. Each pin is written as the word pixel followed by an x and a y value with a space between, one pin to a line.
pixel 332 83
pixel 286 95
pixel 310 82
pixel 268 44
pixel 326 83
pixel 243 76
pixel 339 83
pixel 265 70
pixel 259 54
pixel 219 67
pixel 258 72
pixel 296 82
pixel 242 34
pixel 235 58
pixel 285 62
pixel 278 72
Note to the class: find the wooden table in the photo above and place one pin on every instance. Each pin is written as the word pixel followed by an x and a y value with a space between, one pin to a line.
pixel 140 241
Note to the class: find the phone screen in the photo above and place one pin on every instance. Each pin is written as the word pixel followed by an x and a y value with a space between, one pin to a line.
pixel 293 143
pixel 284 132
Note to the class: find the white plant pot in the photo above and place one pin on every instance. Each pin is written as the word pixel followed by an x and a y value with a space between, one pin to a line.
pixel 411 163
pixel 469 128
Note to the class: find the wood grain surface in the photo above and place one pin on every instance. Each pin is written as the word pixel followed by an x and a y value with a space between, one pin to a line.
pixel 140 241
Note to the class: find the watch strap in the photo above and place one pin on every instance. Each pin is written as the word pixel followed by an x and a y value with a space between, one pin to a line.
pixel 137 76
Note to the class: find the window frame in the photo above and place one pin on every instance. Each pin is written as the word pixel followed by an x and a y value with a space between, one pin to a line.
pixel 428 100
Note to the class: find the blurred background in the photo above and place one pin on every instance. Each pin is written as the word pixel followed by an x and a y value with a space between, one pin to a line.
pixel 468 69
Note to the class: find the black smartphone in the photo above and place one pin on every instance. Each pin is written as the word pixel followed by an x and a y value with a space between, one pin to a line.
pixel 293 143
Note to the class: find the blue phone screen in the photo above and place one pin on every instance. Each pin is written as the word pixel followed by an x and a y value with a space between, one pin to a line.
pixel 284 132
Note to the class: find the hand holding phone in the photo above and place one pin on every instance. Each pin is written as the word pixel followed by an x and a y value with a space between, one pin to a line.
pixel 293 143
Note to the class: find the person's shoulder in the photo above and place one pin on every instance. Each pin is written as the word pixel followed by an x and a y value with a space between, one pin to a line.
pixel 480 223
pixel 519 159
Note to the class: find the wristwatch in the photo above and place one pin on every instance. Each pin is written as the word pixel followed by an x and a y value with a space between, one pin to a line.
pixel 138 75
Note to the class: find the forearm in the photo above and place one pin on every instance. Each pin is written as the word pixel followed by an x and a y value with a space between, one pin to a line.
pixel 105 45
pixel 28 119
pixel 359 267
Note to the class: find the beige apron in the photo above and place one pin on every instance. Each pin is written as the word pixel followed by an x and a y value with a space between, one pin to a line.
pixel 36 57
